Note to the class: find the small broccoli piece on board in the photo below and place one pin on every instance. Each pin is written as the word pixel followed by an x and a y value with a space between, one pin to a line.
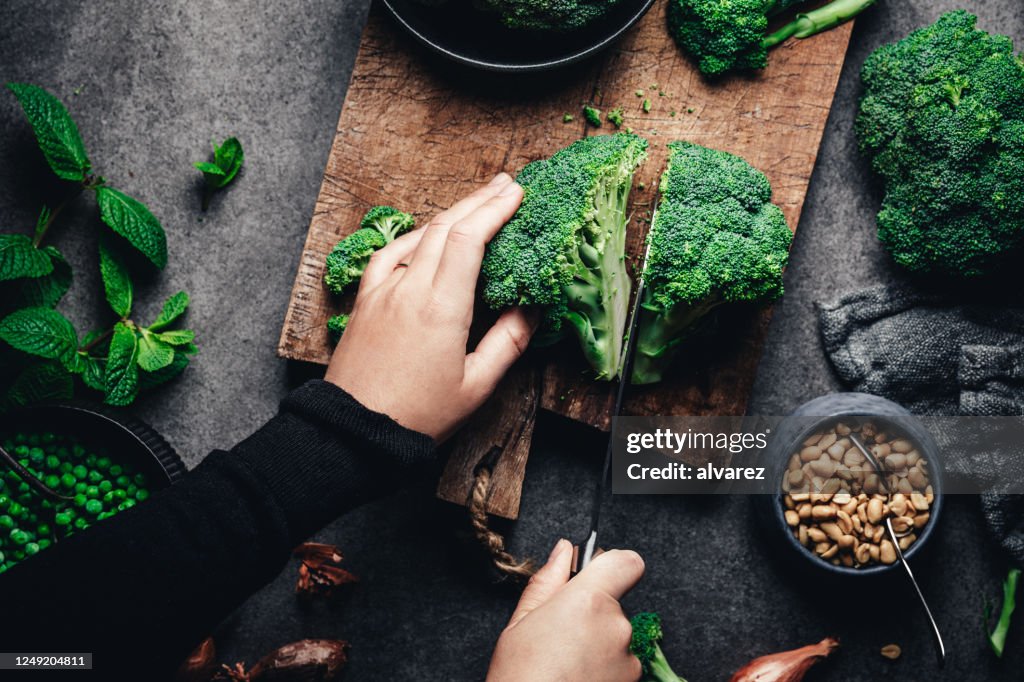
pixel 716 238
pixel 732 35
pixel 592 115
pixel 942 122
pixel 350 256
pixel 646 646
pixel 564 249
pixel 336 327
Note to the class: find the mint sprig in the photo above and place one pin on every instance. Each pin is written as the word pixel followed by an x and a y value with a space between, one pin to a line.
pixel 40 353
pixel 227 161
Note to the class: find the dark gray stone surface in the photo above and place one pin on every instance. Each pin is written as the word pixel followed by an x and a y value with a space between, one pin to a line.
pixel 156 80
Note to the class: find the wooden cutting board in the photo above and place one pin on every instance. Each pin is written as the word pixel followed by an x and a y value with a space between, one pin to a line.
pixel 418 133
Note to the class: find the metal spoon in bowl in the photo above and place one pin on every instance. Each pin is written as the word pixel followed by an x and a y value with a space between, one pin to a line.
pixel 940 647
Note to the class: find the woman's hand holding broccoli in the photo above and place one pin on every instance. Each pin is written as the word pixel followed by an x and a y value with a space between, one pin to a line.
pixel 404 350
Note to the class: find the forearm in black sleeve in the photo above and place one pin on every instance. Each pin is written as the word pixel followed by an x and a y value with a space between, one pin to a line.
pixel 141 589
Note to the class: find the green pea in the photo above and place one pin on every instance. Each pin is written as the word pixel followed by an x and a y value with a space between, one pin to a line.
pixel 92 492
pixel 123 481
pixel 51 481
pixel 65 467
pixel 93 507
pixel 31 548
pixel 52 462
pixel 49 437
pixel 81 486
pixel 4 501
pixel 42 530
pixel 142 495
pixel 80 500
pixel 106 486
pixel 116 470
pixel 36 456
pixel 21 451
pixel 103 463
pixel 132 489
pixel 18 536
pixel 24 488
pixel 94 476
pixel 62 519
pixel 81 523
pixel 6 522
pixel 15 509
pixel 68 480
pixel 18 554
pixel 139 480
pixel 90 460
pixel 114 496
pixel 79 471
pixel 2 558
pixel 44 543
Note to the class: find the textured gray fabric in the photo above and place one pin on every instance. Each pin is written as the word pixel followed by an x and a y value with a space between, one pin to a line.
pixel 941 358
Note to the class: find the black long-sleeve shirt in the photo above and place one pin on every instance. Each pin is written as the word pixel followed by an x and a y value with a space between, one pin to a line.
pixel 141 589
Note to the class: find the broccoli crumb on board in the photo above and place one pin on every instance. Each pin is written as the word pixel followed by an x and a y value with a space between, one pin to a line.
pixel 639 93
pixel 568 118
pixel 689 110
pixel 647 106
pixel 615 117
pixel 592 115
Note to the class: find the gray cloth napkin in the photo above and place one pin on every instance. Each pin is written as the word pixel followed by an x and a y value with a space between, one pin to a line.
pixel 935 357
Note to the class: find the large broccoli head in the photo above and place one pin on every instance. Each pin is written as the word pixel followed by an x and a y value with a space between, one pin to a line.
pixel 732 35
pixel 942 121
pixel 564 249
pixel 549 15
pixel 716 238
pixel 646 646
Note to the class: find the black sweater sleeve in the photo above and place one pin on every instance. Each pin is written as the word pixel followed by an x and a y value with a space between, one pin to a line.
pixel 141 589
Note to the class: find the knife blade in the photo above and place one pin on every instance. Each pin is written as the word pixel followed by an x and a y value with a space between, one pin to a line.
pixel 585 552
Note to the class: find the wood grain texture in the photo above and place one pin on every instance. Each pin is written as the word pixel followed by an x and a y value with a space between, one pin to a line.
pixel 419 133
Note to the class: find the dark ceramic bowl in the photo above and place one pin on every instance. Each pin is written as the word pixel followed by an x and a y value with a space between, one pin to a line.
pixel 819 413
pixel 126 439
pixel 477 39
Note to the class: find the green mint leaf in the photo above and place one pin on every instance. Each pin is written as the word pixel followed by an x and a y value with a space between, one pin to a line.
pixel 148 380
pixel 132 220
pixel 19 258
pixel 154 354
pixel 229 158
pixel 93 371
pixel 177 337
pixel 55 131
pixel 37 382
pixel 43 332
pixel 209 169
pixel 174 307
pixel 116 283
pixel 121 377
pixel 44 291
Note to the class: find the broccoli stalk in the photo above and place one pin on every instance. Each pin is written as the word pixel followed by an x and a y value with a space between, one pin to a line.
pixel 564 249
pixel 727 36
pixel 715 239
pixel 350 256
pixel 645 645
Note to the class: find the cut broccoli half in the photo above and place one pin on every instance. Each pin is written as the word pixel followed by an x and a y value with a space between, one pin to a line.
pixel 646 646
pixel 716 238
pixel 727 35
pixel 350 256
pixel 564 249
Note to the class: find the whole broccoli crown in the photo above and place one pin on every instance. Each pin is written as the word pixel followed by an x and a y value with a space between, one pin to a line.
pixel 537 253
pixel 716 232
pixel 389 221
pixel 550 15
pixel 347 261
pixel 723 35
pixel 646 636
pixel 942 121
pixel 336 326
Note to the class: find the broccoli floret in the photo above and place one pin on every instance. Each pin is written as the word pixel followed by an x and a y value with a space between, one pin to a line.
pixel 727 35
pixel 548 15
pixel 592 116
pixel 646 106
pixel 646 646
pixel 349 257
pixel 716 238
pixel 336 327
pixel 615 117
pixel 568 118
pixel 564 249
pixel 942 122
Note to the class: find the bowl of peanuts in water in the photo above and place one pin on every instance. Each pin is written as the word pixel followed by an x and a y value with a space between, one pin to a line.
pixel 832 504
